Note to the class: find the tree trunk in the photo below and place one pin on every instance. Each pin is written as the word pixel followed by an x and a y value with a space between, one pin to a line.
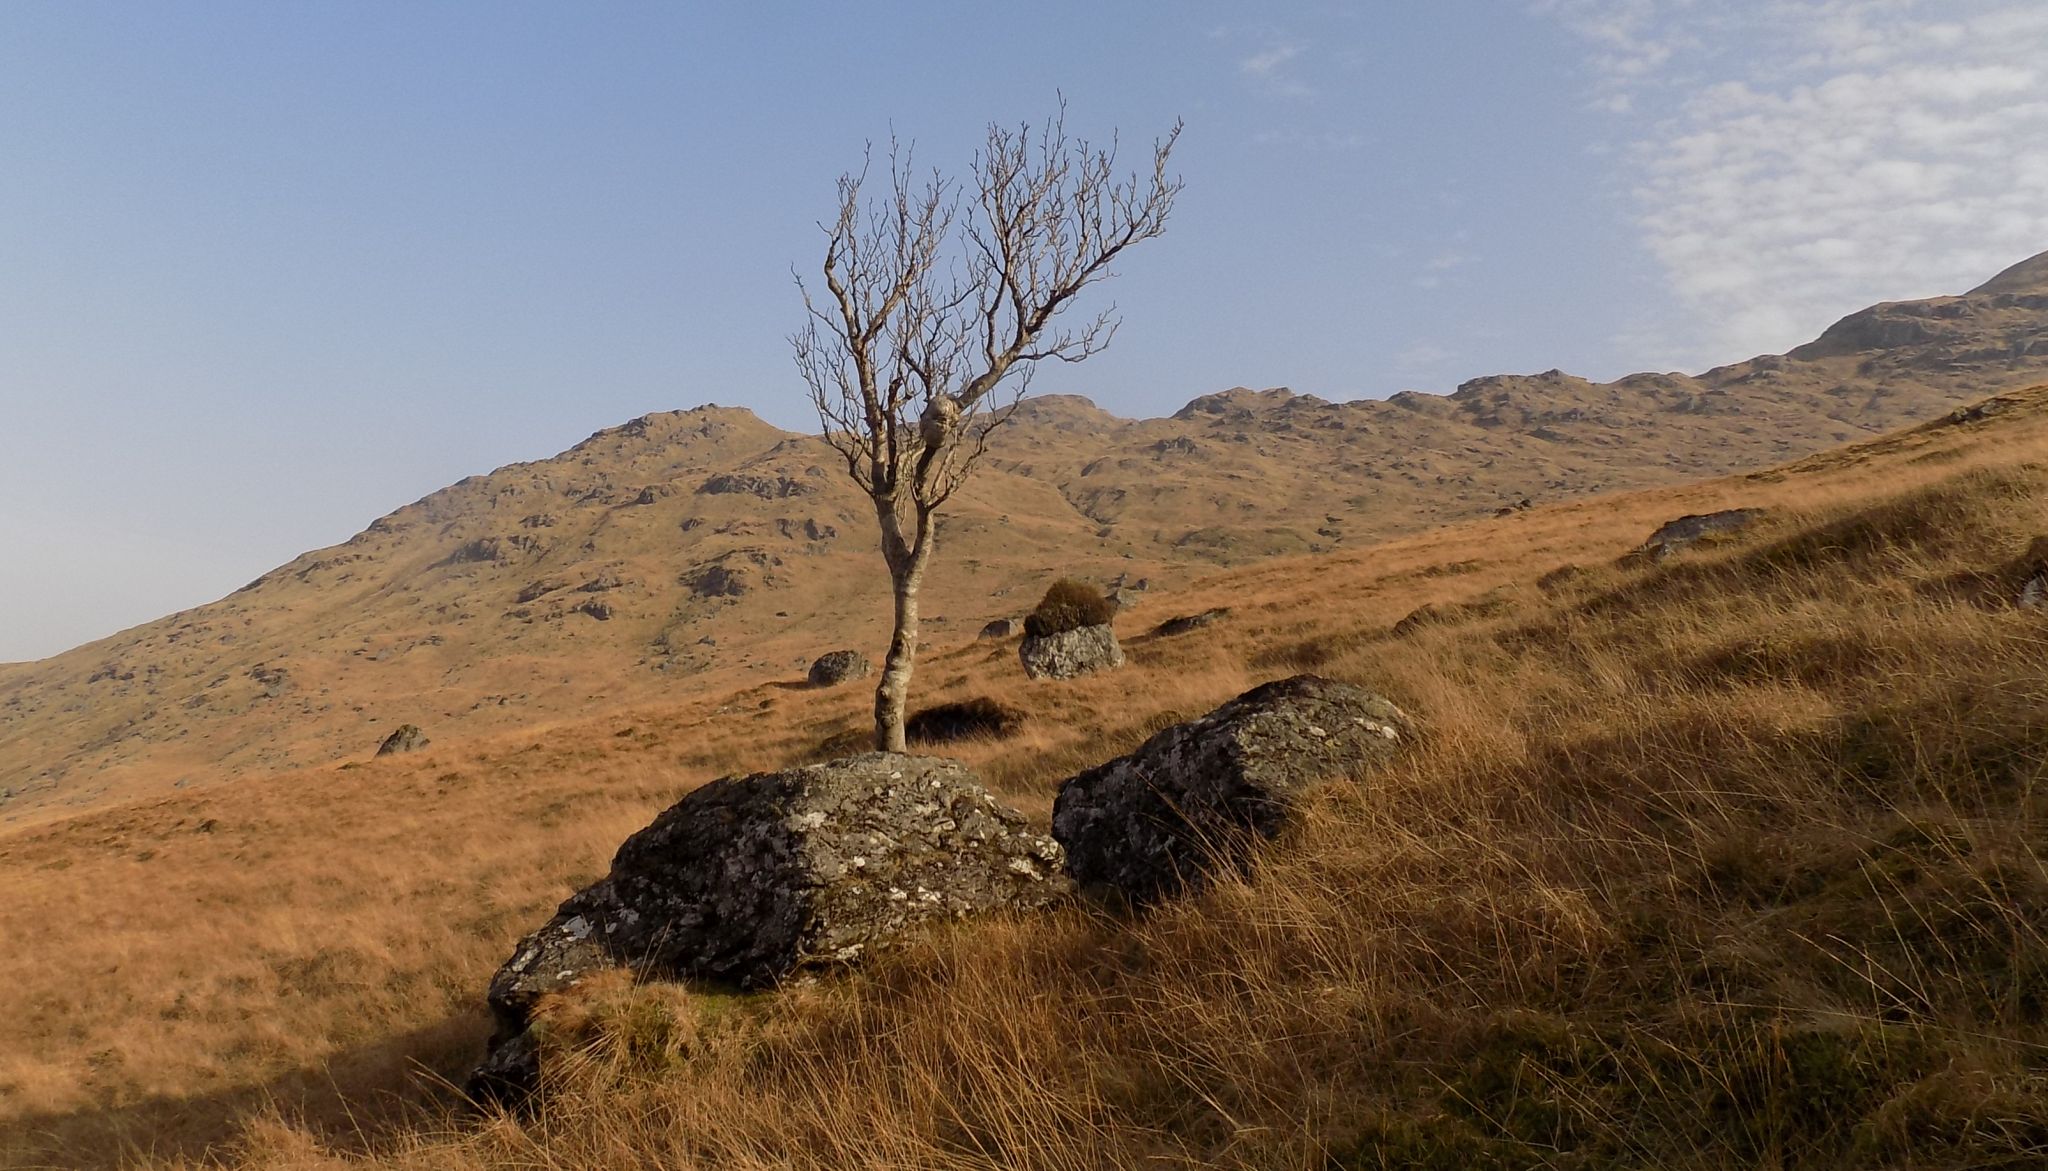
pixel 906 573
pixel 893 693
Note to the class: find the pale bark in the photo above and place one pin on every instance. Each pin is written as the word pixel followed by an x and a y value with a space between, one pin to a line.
pixel 906 559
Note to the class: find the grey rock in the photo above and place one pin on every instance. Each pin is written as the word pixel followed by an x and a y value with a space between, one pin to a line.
pixel 1200 794
pixel 751 878
pixel 1688 531
pixel 406 738
pixel 1070 653
pixel 1187 622
pixel 835 667
pixel 2033 569
pixel 1121 598
pixel 2034 594
pixel 1002 628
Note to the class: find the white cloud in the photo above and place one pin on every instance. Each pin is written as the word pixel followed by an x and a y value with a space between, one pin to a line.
pixel 1421 357
pixel 1270 58
pixel 1267 63
pixel 1315 140
pixel 1798 159
pixel 1437 268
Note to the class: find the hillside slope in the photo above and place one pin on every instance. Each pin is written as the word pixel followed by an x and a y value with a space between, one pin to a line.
pixel 705 548
pixel 1732 859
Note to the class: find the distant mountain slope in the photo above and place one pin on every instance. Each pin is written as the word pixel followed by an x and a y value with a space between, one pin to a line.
pixel 684 548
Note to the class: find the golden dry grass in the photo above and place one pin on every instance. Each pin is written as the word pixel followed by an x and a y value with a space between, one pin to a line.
pixel 1732 861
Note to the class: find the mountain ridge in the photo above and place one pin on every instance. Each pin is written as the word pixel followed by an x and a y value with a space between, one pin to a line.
pixel 710 546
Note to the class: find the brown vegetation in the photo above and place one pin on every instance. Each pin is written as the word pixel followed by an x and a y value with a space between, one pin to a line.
pixel 1068 605
pixel 1728 861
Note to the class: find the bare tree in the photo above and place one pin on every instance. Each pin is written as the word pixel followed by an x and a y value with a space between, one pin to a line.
pixel 938 302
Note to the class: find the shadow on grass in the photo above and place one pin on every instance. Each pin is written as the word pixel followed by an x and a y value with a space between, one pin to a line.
pixel 355 1102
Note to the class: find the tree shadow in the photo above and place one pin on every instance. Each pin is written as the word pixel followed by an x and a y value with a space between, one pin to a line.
pixel 356 1102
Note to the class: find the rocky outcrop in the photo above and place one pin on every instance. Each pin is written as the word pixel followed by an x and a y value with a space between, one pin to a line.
pixel 835 667
pixel 1069 653
pixel 716 581
pixel 1199 795
pixel 1002 628
pixel 765 487
pixel 751 878
pixel 406 738
pixel 536 590
pixel 1688 531
pixel 274 681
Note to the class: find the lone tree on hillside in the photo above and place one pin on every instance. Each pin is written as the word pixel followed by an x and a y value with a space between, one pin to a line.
pixel 939 299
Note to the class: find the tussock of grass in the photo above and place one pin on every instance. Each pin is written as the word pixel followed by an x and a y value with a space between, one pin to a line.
pixel 1068 605
pixel 1725 862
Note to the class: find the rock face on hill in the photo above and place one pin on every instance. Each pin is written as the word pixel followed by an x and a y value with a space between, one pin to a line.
pixel 707 543
pixel 1199 794
pixel 749 878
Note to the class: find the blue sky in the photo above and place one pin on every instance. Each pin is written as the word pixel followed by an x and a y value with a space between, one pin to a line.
pixel 272 270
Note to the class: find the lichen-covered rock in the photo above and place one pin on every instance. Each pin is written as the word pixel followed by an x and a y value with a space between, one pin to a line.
pixel 750 878
pixel 405 738
pixel 1688 531
pixel 835 667
pixel 1069 653
pixel 1199 794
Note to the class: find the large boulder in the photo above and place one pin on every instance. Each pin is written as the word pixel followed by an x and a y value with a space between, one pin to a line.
pixel 835 667
pixel 750 878
pixel 1200 794
pixel 1068 653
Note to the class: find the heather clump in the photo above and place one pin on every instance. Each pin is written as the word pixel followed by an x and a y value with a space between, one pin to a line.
pixel 1068 605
